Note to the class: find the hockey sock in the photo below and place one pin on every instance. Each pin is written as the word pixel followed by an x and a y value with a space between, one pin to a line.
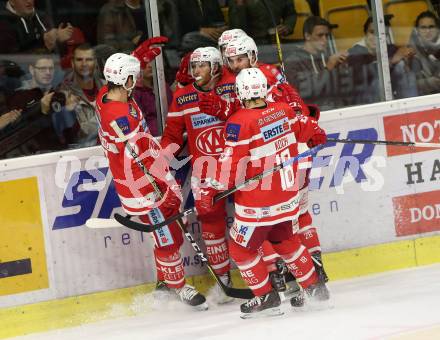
pixel 218 255
pixel 171 266
pixel 252 268
pixel 269 256
pixel 298 260
pixel 308 233
pixel 159 273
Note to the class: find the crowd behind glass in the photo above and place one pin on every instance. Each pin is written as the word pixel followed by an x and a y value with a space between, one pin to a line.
pixel 52 54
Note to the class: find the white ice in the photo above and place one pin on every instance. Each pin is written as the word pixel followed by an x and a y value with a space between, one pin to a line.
pixel 402 304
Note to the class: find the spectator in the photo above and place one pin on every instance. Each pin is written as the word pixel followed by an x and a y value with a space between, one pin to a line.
pixel 145 98
pixel 82 86
pixel 121 24
pixel 363 61
pixel 313 70
pixel 32 131
pixel 25 30
pixel 201 23
pixel 252 16
pixel 425 39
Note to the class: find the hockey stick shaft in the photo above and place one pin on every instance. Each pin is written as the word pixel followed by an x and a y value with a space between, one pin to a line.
pixel 233 292
pixel 186 212
pixel 384 142
pixel 268 172
pixel 277 37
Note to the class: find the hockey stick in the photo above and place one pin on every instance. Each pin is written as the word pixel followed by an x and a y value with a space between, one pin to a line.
pixel 277 37
pixel 150 228
pixel 229 291
pixel 384 142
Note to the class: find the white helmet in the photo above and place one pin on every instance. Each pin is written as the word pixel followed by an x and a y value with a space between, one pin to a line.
pixel 228 35
pixel 251 83
pixel 210 54
pixel 119 67
pixel 243 45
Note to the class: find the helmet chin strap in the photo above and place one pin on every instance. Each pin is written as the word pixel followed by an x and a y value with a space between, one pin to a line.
pixel 129 89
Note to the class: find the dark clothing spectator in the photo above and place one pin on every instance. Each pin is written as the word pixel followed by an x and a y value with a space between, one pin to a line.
pixel 20 33
pixel 252 16
pixel 316 83
pixel 201 23
pixel 120 26
pixel 362 60
pixel 318 75
pixel 145 98
pixel 425 39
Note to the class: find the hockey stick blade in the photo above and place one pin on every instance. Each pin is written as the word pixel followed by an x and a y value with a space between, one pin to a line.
pixel 102 223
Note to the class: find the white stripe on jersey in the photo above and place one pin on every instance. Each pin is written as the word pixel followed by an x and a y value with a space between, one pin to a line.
pixel 272 147
pixel 252 212
pixel 138 202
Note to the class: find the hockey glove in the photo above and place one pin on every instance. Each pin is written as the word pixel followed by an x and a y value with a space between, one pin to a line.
pixel 145 53
pixel 318 138
pixel 287 94
pixel 211 104
pixel 314 111
pixel 204 195
pixel 171 203
pixel 182 76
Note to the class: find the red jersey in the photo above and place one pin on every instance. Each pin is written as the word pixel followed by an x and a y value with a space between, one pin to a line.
pixel 257 140
pixel 204 132
pixel 134 190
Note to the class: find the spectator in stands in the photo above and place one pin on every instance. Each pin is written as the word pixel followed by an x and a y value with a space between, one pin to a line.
pixel 200 23
pixel 122 24
pixel 363 62
pixel 313 70
pixel 252 16
pixel 145 98
pixel 425 39
pixel 32 131
pixel 82 86
pixel 24 30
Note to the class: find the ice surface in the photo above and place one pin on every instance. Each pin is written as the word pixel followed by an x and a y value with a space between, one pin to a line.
pixel 395 305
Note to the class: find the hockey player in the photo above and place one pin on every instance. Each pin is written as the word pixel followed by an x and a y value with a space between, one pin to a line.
pixel 241 53
pixel 137 194
pixel 205 143
pixel 259 135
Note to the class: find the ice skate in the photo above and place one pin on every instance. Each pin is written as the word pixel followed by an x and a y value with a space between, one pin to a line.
pixel 216 293
pixel 265 305
pixel 319 267
pixel 189 295
pixel 162 292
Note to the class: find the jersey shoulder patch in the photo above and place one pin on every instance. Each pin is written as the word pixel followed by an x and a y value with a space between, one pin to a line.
pixel 123 124
pixel 232 132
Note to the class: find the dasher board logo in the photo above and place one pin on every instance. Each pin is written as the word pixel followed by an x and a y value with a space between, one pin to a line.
pixel 421 126
pixel 417 213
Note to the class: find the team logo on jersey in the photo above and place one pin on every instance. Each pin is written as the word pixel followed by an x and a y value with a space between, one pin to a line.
pixel 225 88
pixel 123 124
pixel 232 132
pixel 250 212
pixel 132 112
pixel 241 233
pixel 203 120
pixel 275 129
pixel 211 141
pixel 187 98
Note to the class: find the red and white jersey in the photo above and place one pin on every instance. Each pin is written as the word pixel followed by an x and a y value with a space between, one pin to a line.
pixel 134 190
pixel 204 132
pixel 257 140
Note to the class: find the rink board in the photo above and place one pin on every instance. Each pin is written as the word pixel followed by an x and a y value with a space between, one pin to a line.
pixel 376 208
